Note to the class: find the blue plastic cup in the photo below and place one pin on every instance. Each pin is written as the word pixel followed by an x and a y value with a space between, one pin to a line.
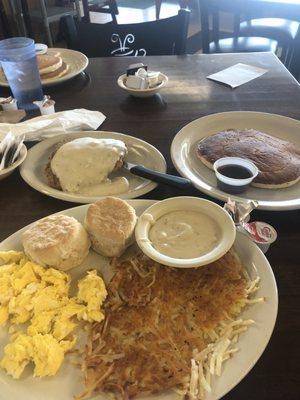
pixel 19 63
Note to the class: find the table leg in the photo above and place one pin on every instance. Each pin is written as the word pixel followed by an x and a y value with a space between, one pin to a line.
pixel 204 27
pixel 86 11
pixel 112 9
pixel 114 6
pixel 157 8
pixel 77 6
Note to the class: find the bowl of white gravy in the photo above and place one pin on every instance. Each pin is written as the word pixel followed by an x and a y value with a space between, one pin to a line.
pixel 185 232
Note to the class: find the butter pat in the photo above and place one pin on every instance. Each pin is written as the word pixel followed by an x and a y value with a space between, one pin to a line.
pixel 136 82
pixel 142 73
pixel 153 78
pixel 139 78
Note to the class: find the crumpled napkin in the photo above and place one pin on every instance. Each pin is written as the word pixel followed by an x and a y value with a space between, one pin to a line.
pixel 51 125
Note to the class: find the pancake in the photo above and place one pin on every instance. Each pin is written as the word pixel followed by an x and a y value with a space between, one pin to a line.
pixel 48 63
pixel 58 73
pixel 278 161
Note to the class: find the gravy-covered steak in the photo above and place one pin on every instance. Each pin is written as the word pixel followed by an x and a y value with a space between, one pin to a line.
pixel 278 161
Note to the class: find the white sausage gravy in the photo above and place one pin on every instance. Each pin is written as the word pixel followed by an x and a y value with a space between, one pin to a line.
pixel 184 234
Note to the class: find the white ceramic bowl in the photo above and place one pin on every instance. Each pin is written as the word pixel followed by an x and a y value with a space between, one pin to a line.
pixel 7 171
pixel 221 162
pixel 143 92
pixel 217 213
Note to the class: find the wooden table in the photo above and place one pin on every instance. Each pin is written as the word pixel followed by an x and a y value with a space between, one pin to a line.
pixel 190 95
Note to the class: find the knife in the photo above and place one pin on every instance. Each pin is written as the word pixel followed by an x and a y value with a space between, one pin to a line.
pixel 159 177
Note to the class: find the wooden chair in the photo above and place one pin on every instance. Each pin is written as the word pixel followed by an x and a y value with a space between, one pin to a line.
pixel 163 37
pixel 100 6
pixel 212 42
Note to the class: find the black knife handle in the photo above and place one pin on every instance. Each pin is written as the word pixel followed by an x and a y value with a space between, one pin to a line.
pixel 160 177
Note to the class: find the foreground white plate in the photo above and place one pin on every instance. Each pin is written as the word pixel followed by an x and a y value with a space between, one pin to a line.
pixel 139 152
pixel 183 152
pixel 77 63
pixel 252 343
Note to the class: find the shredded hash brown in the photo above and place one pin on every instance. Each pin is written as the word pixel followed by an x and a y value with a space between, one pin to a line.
pixel 166 328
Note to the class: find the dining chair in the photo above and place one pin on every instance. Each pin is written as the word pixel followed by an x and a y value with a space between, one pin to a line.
pixel 252 32
pixel 100 6
pixel 284 31
pixel 47 13
pixel 212 42
pixel 161 37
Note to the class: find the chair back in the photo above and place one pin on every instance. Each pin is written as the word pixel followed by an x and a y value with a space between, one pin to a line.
pixel 240 9
pixel 162 37
pixel 210 10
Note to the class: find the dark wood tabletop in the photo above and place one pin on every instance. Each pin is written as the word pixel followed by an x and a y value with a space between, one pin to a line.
pixel 189 95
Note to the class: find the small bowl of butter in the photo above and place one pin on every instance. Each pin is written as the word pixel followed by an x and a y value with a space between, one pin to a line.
pixel 141 82
pixel 185 232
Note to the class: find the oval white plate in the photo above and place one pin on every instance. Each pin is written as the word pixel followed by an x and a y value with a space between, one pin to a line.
pixel 183 152
pixel 251 343
pixel 139 152
pixel 77 63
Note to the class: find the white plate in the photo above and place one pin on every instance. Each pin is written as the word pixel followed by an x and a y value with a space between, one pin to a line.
pixel 4 173
pixel 251 343
pixel 139 152
pixel 77 63
pixel 183 152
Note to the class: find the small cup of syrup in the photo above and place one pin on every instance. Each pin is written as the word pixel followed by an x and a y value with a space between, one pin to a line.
pixel 234 174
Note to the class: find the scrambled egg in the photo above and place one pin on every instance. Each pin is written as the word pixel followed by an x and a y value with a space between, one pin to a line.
pixel 92 292
pixel 39 297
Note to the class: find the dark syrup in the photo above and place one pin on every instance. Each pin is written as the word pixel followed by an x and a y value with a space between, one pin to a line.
pixel 235 172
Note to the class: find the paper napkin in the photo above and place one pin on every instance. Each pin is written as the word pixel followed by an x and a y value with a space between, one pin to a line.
pixel 237 75
pixel 51 125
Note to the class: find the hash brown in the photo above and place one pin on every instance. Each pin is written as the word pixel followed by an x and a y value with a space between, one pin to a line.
pixel 159 318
